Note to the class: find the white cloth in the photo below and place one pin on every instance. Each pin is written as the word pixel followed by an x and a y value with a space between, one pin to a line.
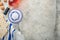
pixel 16 35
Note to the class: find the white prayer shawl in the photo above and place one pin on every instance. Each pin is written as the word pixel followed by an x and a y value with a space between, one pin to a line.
pixel 16 35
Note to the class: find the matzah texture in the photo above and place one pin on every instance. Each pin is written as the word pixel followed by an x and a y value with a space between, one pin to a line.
pixel 3 25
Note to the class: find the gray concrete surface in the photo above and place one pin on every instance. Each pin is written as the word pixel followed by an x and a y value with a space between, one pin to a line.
pixel 39 18
pixel 58 20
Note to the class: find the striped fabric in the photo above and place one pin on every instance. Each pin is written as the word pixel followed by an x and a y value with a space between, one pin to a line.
pixel 10 33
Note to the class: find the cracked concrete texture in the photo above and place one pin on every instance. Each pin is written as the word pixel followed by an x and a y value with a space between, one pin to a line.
pixel 39 18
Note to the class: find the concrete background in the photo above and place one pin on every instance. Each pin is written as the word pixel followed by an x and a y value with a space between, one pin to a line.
pixel 58 20
pixel 39 19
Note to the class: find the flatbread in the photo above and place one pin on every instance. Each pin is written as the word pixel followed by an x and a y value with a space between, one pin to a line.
pixel 3 25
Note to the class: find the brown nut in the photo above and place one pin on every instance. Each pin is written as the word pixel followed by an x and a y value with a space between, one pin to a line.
pixel 1 4
pixel 5 0
pixel 2 7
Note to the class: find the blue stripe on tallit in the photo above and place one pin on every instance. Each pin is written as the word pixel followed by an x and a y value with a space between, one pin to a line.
pixel 10 35
pixel 3 38
pixel 13 34
pixel 9 38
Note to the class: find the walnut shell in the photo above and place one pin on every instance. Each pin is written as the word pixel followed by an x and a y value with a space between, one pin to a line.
pixel 2 7
pixel 1 4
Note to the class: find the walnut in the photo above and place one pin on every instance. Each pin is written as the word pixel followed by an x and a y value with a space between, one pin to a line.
pixel 2 7
pixel 1 4
pixel 5 0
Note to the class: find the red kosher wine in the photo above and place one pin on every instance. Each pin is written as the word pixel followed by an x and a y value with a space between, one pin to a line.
pixel 14 3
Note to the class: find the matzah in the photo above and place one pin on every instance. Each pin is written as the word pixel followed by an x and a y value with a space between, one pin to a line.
pixel 3 25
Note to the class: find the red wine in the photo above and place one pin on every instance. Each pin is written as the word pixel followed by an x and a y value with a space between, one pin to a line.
pixel 14 3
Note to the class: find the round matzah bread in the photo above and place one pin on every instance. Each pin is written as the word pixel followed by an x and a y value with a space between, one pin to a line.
pixel 3 25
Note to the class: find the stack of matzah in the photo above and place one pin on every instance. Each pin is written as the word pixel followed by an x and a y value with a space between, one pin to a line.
pixel 3 25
